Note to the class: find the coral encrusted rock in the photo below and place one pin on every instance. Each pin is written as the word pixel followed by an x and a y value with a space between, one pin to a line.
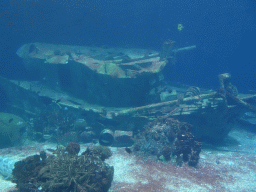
pixel 64 172
pixel 169 138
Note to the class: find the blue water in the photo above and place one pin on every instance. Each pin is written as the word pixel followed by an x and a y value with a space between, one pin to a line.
pixel 223 31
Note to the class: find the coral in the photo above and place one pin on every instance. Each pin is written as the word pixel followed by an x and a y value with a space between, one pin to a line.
pixel 187 148
pixel 77 173
pixel 167 152
pixel 170 138
pixel 194 156
pixel 25 172
pixel 100 151
pixel 64 172
pixel 153 139
pixel 73 148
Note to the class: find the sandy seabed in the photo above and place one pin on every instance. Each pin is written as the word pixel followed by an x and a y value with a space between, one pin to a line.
pixel 230 168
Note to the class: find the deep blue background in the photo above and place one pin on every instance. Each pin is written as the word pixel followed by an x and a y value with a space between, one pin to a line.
pixel 224 32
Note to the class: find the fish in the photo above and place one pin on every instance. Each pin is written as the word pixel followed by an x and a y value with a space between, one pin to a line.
pixel 128 150
pixel 10 120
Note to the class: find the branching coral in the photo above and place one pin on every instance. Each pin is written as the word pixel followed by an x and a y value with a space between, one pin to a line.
pixel 68 172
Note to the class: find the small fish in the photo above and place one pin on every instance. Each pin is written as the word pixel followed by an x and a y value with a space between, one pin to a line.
pixel 10 120
pixel 128 150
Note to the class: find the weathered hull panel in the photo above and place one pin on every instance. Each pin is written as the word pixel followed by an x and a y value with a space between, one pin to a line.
pixel 109 77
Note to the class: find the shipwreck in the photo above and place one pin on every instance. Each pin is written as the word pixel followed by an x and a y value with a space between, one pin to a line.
pixel 121 90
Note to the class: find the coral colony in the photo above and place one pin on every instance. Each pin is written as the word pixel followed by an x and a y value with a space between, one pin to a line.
pixel 65 171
